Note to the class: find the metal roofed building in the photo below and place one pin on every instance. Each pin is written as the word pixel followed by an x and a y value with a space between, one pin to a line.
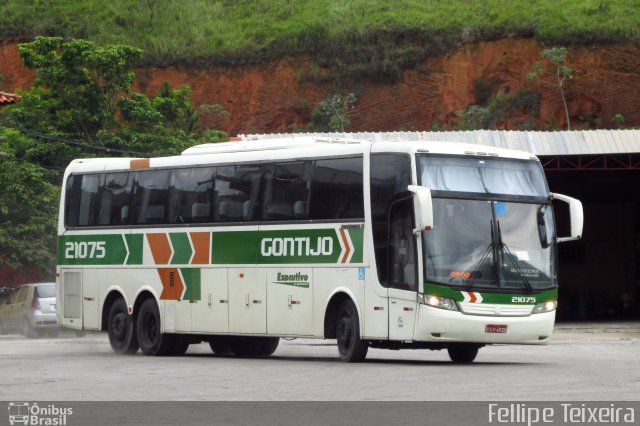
pixel 600 274
pixel 8 98
pixel 609 148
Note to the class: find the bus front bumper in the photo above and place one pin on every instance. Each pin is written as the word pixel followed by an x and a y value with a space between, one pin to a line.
pixel 440 325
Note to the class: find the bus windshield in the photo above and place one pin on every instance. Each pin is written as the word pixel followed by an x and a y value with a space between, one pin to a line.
pixel 481 240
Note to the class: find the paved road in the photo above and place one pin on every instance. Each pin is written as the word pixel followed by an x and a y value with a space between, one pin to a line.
pixel 584 362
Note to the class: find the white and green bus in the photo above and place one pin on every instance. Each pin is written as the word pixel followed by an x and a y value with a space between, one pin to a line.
pixel 376 244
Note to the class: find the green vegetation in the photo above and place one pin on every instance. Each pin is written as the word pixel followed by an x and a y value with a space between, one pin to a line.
pixel 81 105
pixel 332 113
pixel 521 109
pixel 365 35
pixel 551 71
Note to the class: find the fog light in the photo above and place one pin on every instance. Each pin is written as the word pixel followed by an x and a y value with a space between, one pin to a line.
pixel 543 307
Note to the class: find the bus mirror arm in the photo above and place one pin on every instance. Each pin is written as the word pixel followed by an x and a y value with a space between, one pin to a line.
pixel 424 205
pixel 576 214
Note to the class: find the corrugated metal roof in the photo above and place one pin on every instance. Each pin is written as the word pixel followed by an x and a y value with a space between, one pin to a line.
pixel 577 142
pixel 8 98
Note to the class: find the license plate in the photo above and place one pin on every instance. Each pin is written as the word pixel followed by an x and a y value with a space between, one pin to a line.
pixel 495 328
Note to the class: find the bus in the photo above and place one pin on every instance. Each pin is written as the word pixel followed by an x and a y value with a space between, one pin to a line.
pixel 375 244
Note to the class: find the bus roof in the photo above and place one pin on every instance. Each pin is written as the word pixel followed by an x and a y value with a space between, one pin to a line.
pixel 291 147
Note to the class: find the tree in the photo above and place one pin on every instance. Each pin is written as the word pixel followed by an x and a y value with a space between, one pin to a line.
pixel 474 118
pixel 80 105
pixel 83 94
pixel 551 71
pixel 337 108
pixel 28 211
pixel 79 82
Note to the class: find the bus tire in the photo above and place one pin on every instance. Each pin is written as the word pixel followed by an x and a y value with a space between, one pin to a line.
pixel 269 345
pixel 462 353
pixel 350 346
pixel 121 329
pixel 148 328
pixel 180 346
pixel 246 346
pixel 220 346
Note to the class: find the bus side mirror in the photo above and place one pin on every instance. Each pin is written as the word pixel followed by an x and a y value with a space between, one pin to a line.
pixel 424 218
pixel 576 214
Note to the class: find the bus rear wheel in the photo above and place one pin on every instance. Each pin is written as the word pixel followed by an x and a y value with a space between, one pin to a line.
pixel 148 327
pixel 350 346
pixel 121 329
pixel 220 346
pixel 269 345
pixel 463 353
pixel 245 346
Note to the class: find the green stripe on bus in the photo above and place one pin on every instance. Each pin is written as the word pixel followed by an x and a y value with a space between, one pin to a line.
pixel 191 278
pixel 107 249
pixel 488 297
pixel 182 251
pixel 135 243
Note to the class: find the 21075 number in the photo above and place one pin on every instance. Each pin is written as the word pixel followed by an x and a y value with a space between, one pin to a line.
pixel 523 299
pixel 85 250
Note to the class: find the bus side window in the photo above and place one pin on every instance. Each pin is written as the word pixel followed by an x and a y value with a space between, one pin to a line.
pixel 236 192
pixel 336 189
pixel 82 196
pixel 191 193
pixel 286 191
pixel 115 198
pixel 390 175
pixel 72 200
pixel 150 197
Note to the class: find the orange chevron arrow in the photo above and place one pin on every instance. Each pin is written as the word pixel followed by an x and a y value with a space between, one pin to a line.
pixel 160 248
pixel 345 240
pixel 172 285
pixel 201 243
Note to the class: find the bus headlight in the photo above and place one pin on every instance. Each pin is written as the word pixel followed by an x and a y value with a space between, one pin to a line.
pixel 437 302
pixel 545 307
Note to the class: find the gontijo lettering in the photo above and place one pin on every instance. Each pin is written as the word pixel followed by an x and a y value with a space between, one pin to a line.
pixel 298 246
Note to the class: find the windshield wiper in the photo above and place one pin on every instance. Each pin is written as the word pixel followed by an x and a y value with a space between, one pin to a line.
pixel 488 253
pixel 501 244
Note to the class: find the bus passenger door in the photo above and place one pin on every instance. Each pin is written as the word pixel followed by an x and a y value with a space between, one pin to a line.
pixel 247 300
pixel 403 273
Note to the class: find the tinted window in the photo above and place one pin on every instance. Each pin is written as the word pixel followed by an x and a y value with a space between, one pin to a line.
pixel 390 175
pixel 236 191
pixel 82 199
pixel 115 199
pixel 45 291
pixel 191 195
pixel 336 189
pixel 72 202
pixel 286 195
pixel 151 190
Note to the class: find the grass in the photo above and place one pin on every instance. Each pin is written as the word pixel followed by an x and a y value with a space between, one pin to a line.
pixel 379 34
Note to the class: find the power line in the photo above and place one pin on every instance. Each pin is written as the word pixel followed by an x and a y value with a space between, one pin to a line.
pixel 72 142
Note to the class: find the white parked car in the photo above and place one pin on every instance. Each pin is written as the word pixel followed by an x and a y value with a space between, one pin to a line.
pixel 30 309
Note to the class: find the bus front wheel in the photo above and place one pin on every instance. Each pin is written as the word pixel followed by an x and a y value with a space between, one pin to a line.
pixel 148 327
pixel 350 346
pixel 121 329
pixel 463 353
